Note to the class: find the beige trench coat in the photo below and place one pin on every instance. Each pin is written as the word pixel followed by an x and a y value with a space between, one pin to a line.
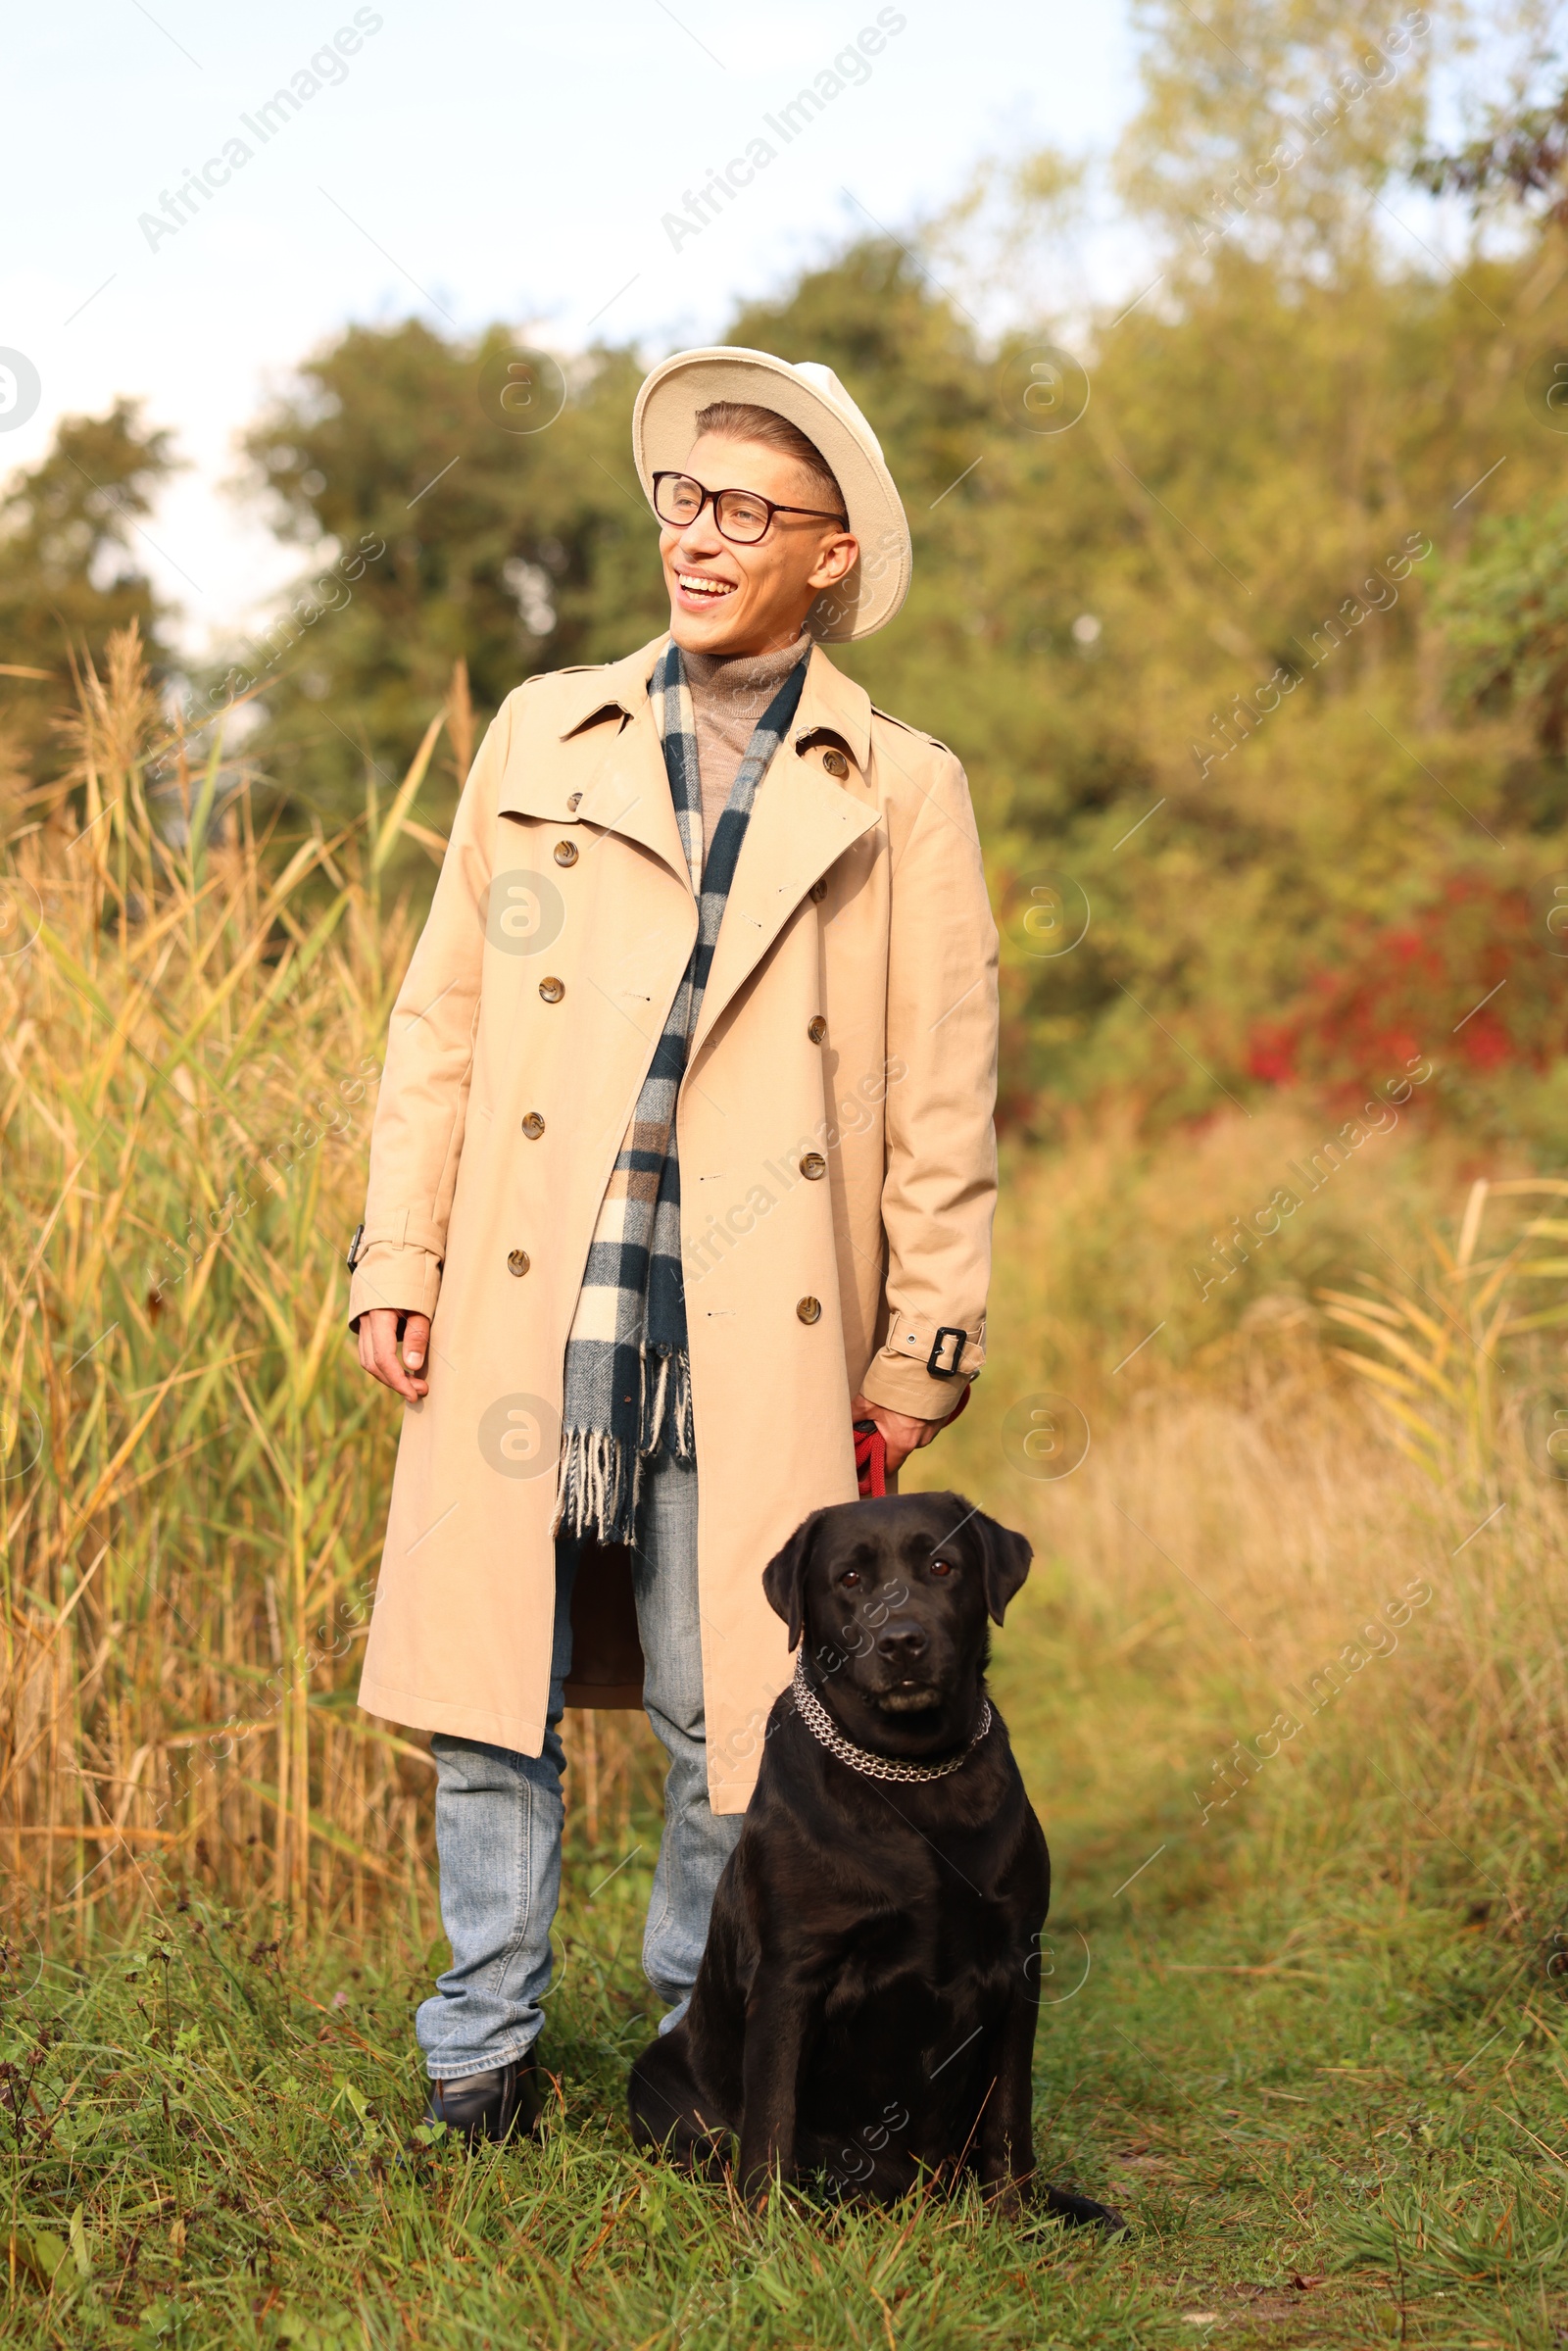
pixel 837 1159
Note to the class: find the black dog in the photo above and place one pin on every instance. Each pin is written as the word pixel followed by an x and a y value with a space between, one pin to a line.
pixel 866 2005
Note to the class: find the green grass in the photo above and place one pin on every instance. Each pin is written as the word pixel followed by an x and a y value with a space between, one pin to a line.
pixel 1325 2087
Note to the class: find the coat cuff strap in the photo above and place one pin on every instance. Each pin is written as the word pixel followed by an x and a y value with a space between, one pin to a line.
pixel 943 1349
pixel 921 1366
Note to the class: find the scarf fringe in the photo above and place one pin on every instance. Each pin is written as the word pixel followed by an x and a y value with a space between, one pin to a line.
pixel 599 1481
pixel 666 1405
pixel 597 1488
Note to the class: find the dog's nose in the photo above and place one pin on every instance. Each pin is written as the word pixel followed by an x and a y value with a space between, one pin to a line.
pixel 902 1640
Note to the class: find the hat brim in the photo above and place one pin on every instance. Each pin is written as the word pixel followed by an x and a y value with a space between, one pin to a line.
pixel 664 426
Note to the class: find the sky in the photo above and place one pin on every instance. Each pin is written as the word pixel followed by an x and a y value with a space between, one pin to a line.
pixel 463 163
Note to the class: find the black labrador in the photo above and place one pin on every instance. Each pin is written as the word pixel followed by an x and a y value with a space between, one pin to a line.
pixel 866 2005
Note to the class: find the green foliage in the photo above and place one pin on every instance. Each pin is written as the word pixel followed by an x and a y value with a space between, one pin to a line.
pixel 1506 609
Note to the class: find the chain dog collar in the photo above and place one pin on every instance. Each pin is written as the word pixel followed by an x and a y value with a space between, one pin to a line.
pixel 817 1720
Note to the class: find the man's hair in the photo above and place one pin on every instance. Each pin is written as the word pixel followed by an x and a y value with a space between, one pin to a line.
pixel 740 420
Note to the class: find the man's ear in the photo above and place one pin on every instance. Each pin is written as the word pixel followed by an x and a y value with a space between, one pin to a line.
pixel 1004 1561
pixel 784 1577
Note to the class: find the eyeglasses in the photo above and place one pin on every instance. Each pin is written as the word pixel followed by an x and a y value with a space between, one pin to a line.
pixel 741 515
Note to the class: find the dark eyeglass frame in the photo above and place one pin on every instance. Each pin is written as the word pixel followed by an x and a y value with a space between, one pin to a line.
pixel 713 497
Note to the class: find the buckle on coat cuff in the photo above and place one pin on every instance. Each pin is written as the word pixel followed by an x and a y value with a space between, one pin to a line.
pixel 960 1339
pixel 353 1257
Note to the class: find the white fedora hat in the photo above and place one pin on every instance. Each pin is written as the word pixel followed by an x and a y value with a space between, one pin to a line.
pixel 664 426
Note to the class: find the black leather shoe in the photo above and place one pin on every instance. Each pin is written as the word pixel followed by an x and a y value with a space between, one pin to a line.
pixel 501 2104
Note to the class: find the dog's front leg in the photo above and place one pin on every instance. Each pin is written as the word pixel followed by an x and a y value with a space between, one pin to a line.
pixel 1006 2152
pixel 777 2018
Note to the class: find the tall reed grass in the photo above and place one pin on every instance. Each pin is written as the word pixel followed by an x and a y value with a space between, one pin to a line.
pixel 190 1023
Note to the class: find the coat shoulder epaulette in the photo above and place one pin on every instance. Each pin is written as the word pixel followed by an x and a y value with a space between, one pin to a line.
pixel 905 728
pixel 549 695
pixel 543 679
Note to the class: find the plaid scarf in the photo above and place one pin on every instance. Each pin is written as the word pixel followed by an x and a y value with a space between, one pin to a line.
pixel 627 1374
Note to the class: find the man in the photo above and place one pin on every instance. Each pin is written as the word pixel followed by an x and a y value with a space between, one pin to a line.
pixel 683 1162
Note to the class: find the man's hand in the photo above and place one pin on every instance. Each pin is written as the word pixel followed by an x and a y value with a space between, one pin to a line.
pixel 902 1433
pixel 379 1351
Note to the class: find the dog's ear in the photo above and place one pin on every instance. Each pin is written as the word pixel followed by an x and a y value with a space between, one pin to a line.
pixel 1004 1561
pixel 784 1577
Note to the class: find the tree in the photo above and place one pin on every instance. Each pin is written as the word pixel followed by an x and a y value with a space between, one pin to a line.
pixel 437 533
pixel 1273 128
pixel 1521 155
pixel 67 568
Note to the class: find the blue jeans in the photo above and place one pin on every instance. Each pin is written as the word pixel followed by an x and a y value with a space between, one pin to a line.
pixel 498 1816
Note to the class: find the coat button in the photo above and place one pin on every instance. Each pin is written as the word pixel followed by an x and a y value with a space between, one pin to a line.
pixel 517 1262
pixel 533 1126
pixel 814 1167
pixel 816 1029
pixel 809 1309
pixel 819 891
pixel 551 991
pixel 835 762
pixel 566 852
pixel 575 802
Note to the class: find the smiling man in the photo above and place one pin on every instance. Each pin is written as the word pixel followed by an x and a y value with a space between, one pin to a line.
pixel 683 1163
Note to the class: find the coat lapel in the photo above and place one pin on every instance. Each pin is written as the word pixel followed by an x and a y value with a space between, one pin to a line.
pixel 629 791
pixel 603 763
pixel 801 823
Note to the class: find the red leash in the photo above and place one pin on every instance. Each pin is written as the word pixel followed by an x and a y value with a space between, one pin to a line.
pixel 871 1451
pixel 870 1459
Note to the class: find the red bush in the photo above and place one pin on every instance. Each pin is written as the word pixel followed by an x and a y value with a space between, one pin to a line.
pixel 1471 978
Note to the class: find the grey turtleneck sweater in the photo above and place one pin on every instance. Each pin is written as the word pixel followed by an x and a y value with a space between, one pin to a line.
pixel 729 694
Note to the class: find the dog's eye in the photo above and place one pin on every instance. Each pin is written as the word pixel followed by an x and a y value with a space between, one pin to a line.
pixel 850 1577
pixel 941 1567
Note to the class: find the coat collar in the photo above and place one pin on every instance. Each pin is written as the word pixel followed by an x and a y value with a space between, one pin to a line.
pixel 831 704
pixel 628 790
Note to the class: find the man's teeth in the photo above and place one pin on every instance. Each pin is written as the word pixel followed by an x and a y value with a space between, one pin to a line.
pixel 694 584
